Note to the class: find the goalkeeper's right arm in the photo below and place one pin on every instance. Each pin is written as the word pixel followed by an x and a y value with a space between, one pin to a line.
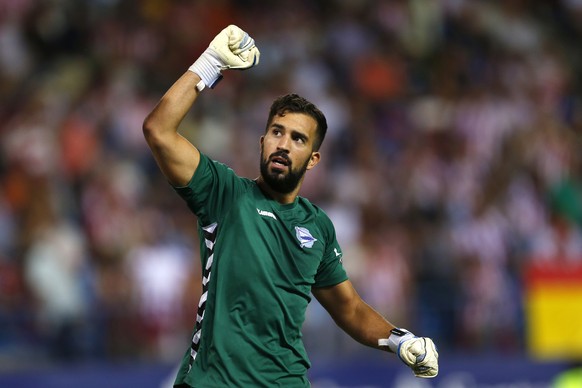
pixel 178 159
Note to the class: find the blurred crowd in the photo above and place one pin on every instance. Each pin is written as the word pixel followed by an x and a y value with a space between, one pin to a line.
pixel 451 163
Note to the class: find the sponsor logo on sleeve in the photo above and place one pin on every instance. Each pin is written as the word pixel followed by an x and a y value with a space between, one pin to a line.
pixel 338 254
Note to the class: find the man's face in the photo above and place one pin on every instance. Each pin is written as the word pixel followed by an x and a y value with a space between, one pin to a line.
pixel 286 151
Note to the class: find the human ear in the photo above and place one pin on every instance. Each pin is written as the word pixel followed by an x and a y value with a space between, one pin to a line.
pixel 313 160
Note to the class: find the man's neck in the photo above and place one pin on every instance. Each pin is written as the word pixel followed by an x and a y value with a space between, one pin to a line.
pixel 282 198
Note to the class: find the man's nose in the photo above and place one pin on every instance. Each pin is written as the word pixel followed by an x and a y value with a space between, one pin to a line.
pixel 283 143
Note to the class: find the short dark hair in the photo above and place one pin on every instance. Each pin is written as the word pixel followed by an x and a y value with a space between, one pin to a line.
pixel 294 103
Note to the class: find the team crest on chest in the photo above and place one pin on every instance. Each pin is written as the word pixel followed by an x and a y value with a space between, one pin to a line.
pixel 304 236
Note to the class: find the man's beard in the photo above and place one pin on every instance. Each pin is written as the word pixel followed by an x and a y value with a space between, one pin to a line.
pixel 280 182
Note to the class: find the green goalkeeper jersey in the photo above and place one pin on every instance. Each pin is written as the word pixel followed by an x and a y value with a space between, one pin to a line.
pixel 260 260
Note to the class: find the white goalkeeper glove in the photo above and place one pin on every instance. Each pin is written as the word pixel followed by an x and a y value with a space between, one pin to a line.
pixel 419 353
pixel 232 48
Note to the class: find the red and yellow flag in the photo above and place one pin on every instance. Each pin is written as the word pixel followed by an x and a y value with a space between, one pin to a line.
pixel 553 308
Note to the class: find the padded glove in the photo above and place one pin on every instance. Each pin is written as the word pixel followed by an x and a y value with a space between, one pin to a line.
pixel 232 48
pixel 419 353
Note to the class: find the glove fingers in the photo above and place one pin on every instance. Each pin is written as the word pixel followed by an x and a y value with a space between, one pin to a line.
pixel 254 56
pixel 240 45
pixel 245 60
pixel 412 351
pixel 238 40
pixel 235 48
pixel 425 374
pixel 428 366
pixel 421 355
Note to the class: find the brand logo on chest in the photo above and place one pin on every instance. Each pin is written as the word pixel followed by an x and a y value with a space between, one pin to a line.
pixel 265 213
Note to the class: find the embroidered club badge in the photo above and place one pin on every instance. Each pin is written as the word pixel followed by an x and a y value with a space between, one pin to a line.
pixel 304 236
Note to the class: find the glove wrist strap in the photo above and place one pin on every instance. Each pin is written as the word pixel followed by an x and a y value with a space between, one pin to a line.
pixel 397 336
pixel 208 67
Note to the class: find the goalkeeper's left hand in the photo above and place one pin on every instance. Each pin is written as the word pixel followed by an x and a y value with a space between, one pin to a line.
pixel 419 353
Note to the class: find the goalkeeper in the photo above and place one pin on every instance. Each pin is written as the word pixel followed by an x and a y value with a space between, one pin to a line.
pixel 264 249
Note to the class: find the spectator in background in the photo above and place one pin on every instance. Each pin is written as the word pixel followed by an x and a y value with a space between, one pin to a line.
pixel 57 274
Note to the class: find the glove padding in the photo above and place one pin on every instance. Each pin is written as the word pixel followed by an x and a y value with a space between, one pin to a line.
pixel 419 353
pixel 232 48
